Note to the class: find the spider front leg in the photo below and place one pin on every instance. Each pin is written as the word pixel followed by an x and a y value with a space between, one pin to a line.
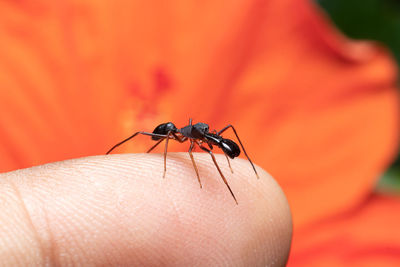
pixel 219 170
pixel 240 142
pixel 227 159
pixel 229 163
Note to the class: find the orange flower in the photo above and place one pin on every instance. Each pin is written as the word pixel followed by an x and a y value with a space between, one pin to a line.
pixel 368 235
pixel 318 111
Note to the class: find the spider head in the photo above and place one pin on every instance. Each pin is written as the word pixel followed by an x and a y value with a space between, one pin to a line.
pixel 199 130
pixel 230 148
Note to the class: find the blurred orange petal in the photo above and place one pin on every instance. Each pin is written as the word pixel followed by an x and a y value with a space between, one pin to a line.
pixel 344 241
pixel 318 111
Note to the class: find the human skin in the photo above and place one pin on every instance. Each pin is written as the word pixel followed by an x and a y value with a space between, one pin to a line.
pixel 118 210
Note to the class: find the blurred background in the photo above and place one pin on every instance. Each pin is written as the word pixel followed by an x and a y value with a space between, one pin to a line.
pixel 315 104
pixel 377 20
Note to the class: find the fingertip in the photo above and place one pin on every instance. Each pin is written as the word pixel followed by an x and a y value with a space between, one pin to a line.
pixel 257 220
pixel 118 209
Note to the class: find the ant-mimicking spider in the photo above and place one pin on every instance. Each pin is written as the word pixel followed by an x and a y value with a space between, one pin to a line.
pixel 197 134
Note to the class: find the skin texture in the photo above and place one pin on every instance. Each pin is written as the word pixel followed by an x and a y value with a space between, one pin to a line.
pixel 118 210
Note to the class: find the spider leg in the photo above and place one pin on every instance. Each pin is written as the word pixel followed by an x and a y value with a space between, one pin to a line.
pixel 194 163
pixel 229 163
pixel 165 153
pixel 159 141
pixel 180 140
pixel 219 170
pixel 132 136
pixel 211 147
pixel 240 142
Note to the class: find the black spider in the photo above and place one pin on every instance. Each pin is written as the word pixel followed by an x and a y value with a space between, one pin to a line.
pixel 197 134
